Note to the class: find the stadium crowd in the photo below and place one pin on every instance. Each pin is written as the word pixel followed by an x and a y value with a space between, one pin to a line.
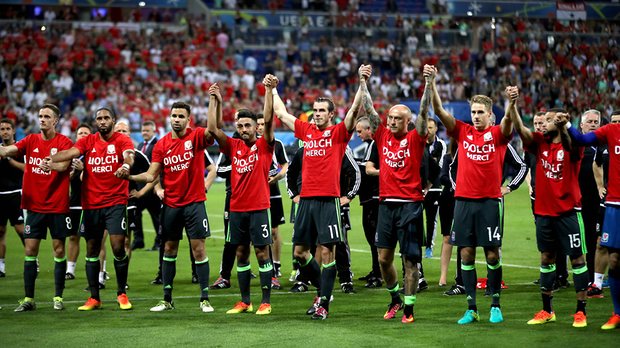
pixel 141 72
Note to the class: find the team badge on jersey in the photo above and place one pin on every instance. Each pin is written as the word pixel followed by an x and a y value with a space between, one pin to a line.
pixel 560 155
pixel 327 133
pixel 488 136
pixel 605 237
pixel 111 149
pixel 53 151
pixel 253 148
pixel 403 143
pixel 188 145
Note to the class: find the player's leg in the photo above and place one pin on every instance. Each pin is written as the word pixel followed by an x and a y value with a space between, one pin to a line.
pixel 370 211
pixel 614 288
pixel 73 245
pixel 410 236
pixel 171 233
pixel 228 252
pixel 197 227
pixel 343 255
pixel 571 234
pixel 2 249
pixel 93 226
pixel 260 235
pixel 116 224
pixel 36 229
pixel 60 227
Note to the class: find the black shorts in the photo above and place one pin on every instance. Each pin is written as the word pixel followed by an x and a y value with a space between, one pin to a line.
pixel 294 208
pixel 477 223
pixel 564 234
pixel 76 220
pixel 10 210
pixel 601 220
pixel 400 222
pixel 192 216
pixel 317 221
pixel 226 214
pixel 277 212
pixel 250 226
pixel 96 221
pixel 38 223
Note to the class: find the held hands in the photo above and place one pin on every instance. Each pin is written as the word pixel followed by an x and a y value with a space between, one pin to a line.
pixel 561 119
pixel 76 164
pixel 214 91
pixel 429 72
pixel 270 81
pixel 364 72
pixel 159 192
pixel 513 93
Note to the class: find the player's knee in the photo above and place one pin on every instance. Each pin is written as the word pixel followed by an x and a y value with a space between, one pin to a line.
pixel 577 260
pixel 412 259
pixel 613 259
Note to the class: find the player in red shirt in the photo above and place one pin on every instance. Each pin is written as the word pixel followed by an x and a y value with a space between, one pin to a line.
pixel 108 157
pixel 45 196
pixel 557 209
pixel 318 216
pixel 250 220
pixel 478 209
pixel 400 195
pixel 179 158
pixel 610 236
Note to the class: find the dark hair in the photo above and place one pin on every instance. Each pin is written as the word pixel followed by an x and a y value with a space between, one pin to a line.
pixel 260 116
pixel 245 113
pixel 540 113
pixel 108 109
pixel 52 107
pixel 432 120
pixel 614 113
pixel 182 105
pixel 85 125
pixel 557 110
pixel 330 103
pixel 9 121
pixel 149 123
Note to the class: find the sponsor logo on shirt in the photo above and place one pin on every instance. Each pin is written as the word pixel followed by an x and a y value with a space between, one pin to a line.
pixel 180 162
pixel 316 148
pixel 395 159
pixel 480 153
pixel 553 170
pixel 36 150
pixel 34 163
pixel 470 137
pixel 245 165
pixel 104 164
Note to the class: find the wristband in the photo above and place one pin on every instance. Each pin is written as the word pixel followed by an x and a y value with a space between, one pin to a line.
pixel 126 166
pixel 274 91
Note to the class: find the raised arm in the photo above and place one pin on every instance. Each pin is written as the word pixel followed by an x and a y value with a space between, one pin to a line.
pixel 512 113
pixel 280 110
pixel 270 82
pixel 421 123
pixel 446 118
pixel 215 98
pixel 507 122
pixel 366 102
pixel 563 120
pixel 364 72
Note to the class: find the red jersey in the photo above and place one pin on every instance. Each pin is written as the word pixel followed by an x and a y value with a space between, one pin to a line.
pixel 400 160
pixel 249 174
pixel 481 160
pixel 323 152
pixel 557 177
pixel 44 192
pixel 610 135
pixel 183 167
pixel 100 187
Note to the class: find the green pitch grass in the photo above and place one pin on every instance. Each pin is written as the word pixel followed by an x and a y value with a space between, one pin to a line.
pixel 355 320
